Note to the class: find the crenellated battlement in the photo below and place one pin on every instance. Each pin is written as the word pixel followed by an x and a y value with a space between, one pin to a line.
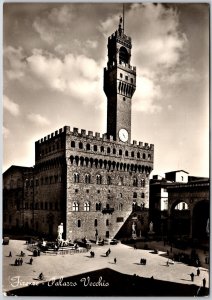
pixel 123 66
pixel 90 135
pixel 123 36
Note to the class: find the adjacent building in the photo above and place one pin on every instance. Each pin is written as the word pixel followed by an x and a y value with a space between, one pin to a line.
pixel 179 205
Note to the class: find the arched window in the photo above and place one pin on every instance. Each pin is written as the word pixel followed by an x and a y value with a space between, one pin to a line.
pixel 87 178
pixel 144 156
pixel 138 155
pixel 120 206
pixel 78 223
pixel 114 151
pixel 126 153
pixel 95 222
pixel 142 195
pixel 81 145
pixel 132 154
pixel 123 55
pixel 134 206
pixel 134 195
pixel 149 157
pixel 142 182
pixel 95 147
pixel 86 206
pixel 98 206
pixel 26 183
pixel 120 152
pixel 108 180
pixel 75 206
pixel 107 222
pixel 108 149
pixel 72 144
pixel 76 177
pixel 98 179
pixel 135 181
pixel 102 149
pixel 88 147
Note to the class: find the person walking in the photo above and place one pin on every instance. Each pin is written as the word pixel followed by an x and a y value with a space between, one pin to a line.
pixel 192 276
pixel 16 262
pixel 31 260
pixel 167 263
pixel 10 254
pixel 115 260
pixel 198 272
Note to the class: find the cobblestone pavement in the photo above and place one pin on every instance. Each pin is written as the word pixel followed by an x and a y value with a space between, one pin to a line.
pixel 128 262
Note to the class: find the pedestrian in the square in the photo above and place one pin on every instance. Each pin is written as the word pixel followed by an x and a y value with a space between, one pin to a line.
pixel 167 263
pixel 16 262
pixel 10 254
pixel 192 276
pixel 198 272
pixel 204 282
pixel 31 260
pixel 109 250
pixel 114 260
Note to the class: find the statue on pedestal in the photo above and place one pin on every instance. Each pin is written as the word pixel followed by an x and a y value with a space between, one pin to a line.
pixel 151 227
pixel 133 230
pixel 60 232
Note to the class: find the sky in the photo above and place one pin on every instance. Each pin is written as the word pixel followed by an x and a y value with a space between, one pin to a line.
pixel 54 56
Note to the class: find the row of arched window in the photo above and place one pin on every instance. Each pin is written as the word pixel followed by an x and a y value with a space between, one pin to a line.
pixel 50 148
pixel 43 181
pixel 42 206
pixel 87 206
pixel 107 222
pixel 99 180
pixel 108 150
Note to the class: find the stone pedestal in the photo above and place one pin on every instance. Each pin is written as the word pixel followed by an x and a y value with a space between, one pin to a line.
pixel 151 235
pixel 134 236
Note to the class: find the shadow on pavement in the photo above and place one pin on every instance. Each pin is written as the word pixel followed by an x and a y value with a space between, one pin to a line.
pixel 107 282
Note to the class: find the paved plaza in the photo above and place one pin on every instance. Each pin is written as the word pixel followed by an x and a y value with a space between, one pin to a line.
pixel 61 266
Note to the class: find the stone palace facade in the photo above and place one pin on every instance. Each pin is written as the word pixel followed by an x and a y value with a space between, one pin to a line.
pixel 96 185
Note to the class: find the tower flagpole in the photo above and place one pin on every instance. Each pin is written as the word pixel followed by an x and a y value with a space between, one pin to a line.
pixel 123 17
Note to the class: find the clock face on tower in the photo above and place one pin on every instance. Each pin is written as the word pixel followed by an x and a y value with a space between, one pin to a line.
pixel 123 135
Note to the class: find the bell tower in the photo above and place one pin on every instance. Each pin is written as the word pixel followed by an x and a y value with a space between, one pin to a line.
pixel 119 85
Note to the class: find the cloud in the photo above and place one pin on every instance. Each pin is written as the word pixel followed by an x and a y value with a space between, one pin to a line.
pixel 67 75
pixel 37 119
pixel 6 132
pixel 11 106
pixel 146 96
pixel 14 64
pixel 52 21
